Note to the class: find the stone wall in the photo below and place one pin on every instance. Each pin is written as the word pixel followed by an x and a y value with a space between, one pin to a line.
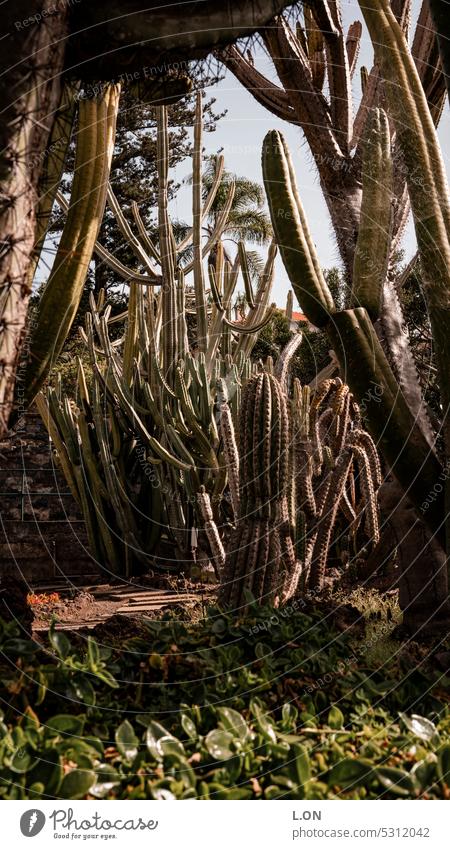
pixel 42 533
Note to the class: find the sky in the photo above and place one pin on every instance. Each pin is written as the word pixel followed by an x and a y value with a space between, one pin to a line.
pixel 241 132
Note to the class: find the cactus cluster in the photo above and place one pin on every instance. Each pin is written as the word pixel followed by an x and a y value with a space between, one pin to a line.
pixel 306 464
pixel 160 402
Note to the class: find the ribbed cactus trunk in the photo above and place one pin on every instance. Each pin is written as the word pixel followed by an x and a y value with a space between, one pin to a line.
pixel 261 558
pixel 29 97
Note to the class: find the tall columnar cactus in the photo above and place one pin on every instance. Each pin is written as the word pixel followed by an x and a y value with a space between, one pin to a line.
pixel 61 297
pixel 373 246
pixel 261 557
pixel 353 337
pixel 161 401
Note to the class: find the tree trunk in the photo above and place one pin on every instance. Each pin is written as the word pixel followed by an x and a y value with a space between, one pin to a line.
pixel 33 59
pixel 422 582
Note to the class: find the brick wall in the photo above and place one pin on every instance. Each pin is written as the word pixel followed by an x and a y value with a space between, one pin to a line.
pixel 42 534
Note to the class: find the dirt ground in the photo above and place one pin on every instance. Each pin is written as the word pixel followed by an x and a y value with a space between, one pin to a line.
pixel 88 606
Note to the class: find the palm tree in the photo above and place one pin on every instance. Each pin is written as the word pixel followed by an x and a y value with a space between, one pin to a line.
pixel 248 220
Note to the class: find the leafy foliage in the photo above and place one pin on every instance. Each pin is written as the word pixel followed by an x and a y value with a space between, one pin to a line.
pixel 276 706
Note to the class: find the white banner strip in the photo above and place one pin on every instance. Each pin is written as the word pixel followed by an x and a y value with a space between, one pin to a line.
pixel 227 824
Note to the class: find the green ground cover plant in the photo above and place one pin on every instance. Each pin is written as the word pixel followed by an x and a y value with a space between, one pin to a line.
pixel 279 705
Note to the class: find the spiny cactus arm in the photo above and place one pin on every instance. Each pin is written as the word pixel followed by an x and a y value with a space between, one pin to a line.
pixel 231 454
pixel 216 296
pixel 217 325
pixel 364 440
pixel 150 247
pixel 364 74
pixel 210 528
pixel 60 299
pixel 353 44
pixel 329 512
pixel 289 305
pixel 314 45
pixel 417 135
pixel 373 246
pixel 199 283
pixel 217 232
pixel 250 328
pixel 53 168
pixel 269 95
pixel 284 360
pixel 292 233
pixel 209 200
pixel 310 106
pixel 368 491
pixel 263 291
pixel 339 82
pixel 391 423
pixel 246 274
pixel 191 418
pixel 182 330
pixel 117 266
pixel 168 251
pixel 54 434
pixel 128 234
pixel 131 334
pixel 370 83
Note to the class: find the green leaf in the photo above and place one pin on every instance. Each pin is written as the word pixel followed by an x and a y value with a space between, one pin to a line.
pixel 66 724
pixel 289 714
pixel 23 760
pixel 93 653
pixel 335 718
pixel 266 727
pixel 126 741
pixel 82 691
pixel 351 772
pixel 105 676
pixel 398 781
pixel 161 742
pixel 301 765
pixel 59 641
pixel 218 744
pixel 49 771
pixel 443 764
pixel 35 790
pixel 420 726
pixel 235 723
pixel 107 779
pixel 77 783
pixel 188 726
pixel 424 771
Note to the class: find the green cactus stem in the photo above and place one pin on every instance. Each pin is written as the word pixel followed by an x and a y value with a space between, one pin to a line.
pixel 60 299
pixel 292 233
